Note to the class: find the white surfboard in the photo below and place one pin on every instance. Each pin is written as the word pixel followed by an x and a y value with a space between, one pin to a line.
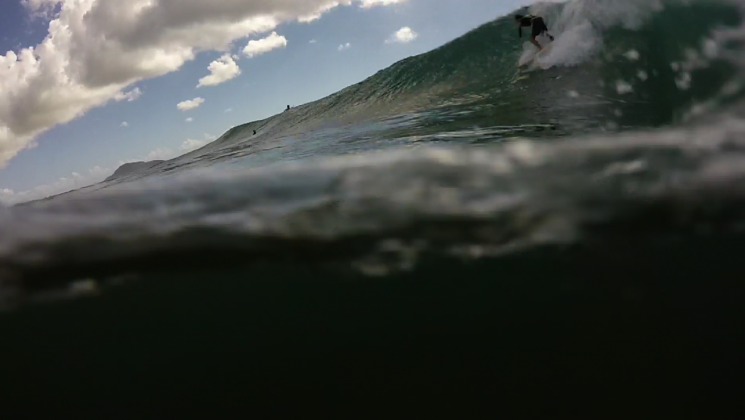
pixel 527 58
pixel 540 57
pixel 535 59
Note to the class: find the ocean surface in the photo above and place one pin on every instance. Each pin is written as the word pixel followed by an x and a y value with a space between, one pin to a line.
pixel 453 233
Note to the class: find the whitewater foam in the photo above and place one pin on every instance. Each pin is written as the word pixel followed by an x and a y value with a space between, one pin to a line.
pixel 579 27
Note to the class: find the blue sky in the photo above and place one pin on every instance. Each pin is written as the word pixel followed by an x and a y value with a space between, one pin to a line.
pixel 49 147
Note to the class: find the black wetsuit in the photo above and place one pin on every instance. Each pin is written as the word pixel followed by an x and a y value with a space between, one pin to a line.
pixel 538 26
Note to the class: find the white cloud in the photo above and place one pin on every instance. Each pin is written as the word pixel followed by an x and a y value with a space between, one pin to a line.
pixel 40 8
pixel 166 153
pixel 62 185
pixel 130 96
pixel 261 46
pixel 161 153
pixel 95 49
pixel 365 4
pixel 124 124
pixel 229 110
pixel 372 3
pixel 312 41
pixel 402 36
pixel 346 46
pixel 190 119
pixel 191 104
pixel 221 70
pixel 189 144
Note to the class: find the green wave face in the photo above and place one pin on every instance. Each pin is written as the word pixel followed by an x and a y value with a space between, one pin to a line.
pixel 614 64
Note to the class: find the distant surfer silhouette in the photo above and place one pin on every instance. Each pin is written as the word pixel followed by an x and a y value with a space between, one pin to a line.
pixel 288 108
pixel 537 24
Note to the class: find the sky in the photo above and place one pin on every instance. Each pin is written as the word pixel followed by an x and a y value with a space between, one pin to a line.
pixel 87 85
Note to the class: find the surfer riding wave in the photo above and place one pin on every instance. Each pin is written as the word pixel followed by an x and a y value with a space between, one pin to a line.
pixel 538 25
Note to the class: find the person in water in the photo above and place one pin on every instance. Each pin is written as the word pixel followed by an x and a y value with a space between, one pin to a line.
pixel 537 24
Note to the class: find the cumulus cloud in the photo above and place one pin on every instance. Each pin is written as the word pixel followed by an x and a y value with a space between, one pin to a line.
pixel 62 185
pixel 221 70
pixel 130 96
pixel 403 36
pixel 261 46
pixel 95 49
pixel 190 104
pixel 124 124
pixel 346 46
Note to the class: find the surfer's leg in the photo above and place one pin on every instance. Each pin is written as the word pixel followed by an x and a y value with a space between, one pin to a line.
pixel 534 42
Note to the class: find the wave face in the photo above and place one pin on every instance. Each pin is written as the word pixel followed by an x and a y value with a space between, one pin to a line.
pixel 592 200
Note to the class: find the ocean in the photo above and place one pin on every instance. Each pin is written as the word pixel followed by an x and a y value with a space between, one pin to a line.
pixel 452 236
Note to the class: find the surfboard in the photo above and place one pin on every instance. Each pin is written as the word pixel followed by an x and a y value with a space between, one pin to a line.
pixel 520 78
pixel 526 59
pixel 543 53
pixel 534 61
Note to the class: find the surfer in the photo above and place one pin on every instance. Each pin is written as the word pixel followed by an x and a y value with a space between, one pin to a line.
pixel 538 27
